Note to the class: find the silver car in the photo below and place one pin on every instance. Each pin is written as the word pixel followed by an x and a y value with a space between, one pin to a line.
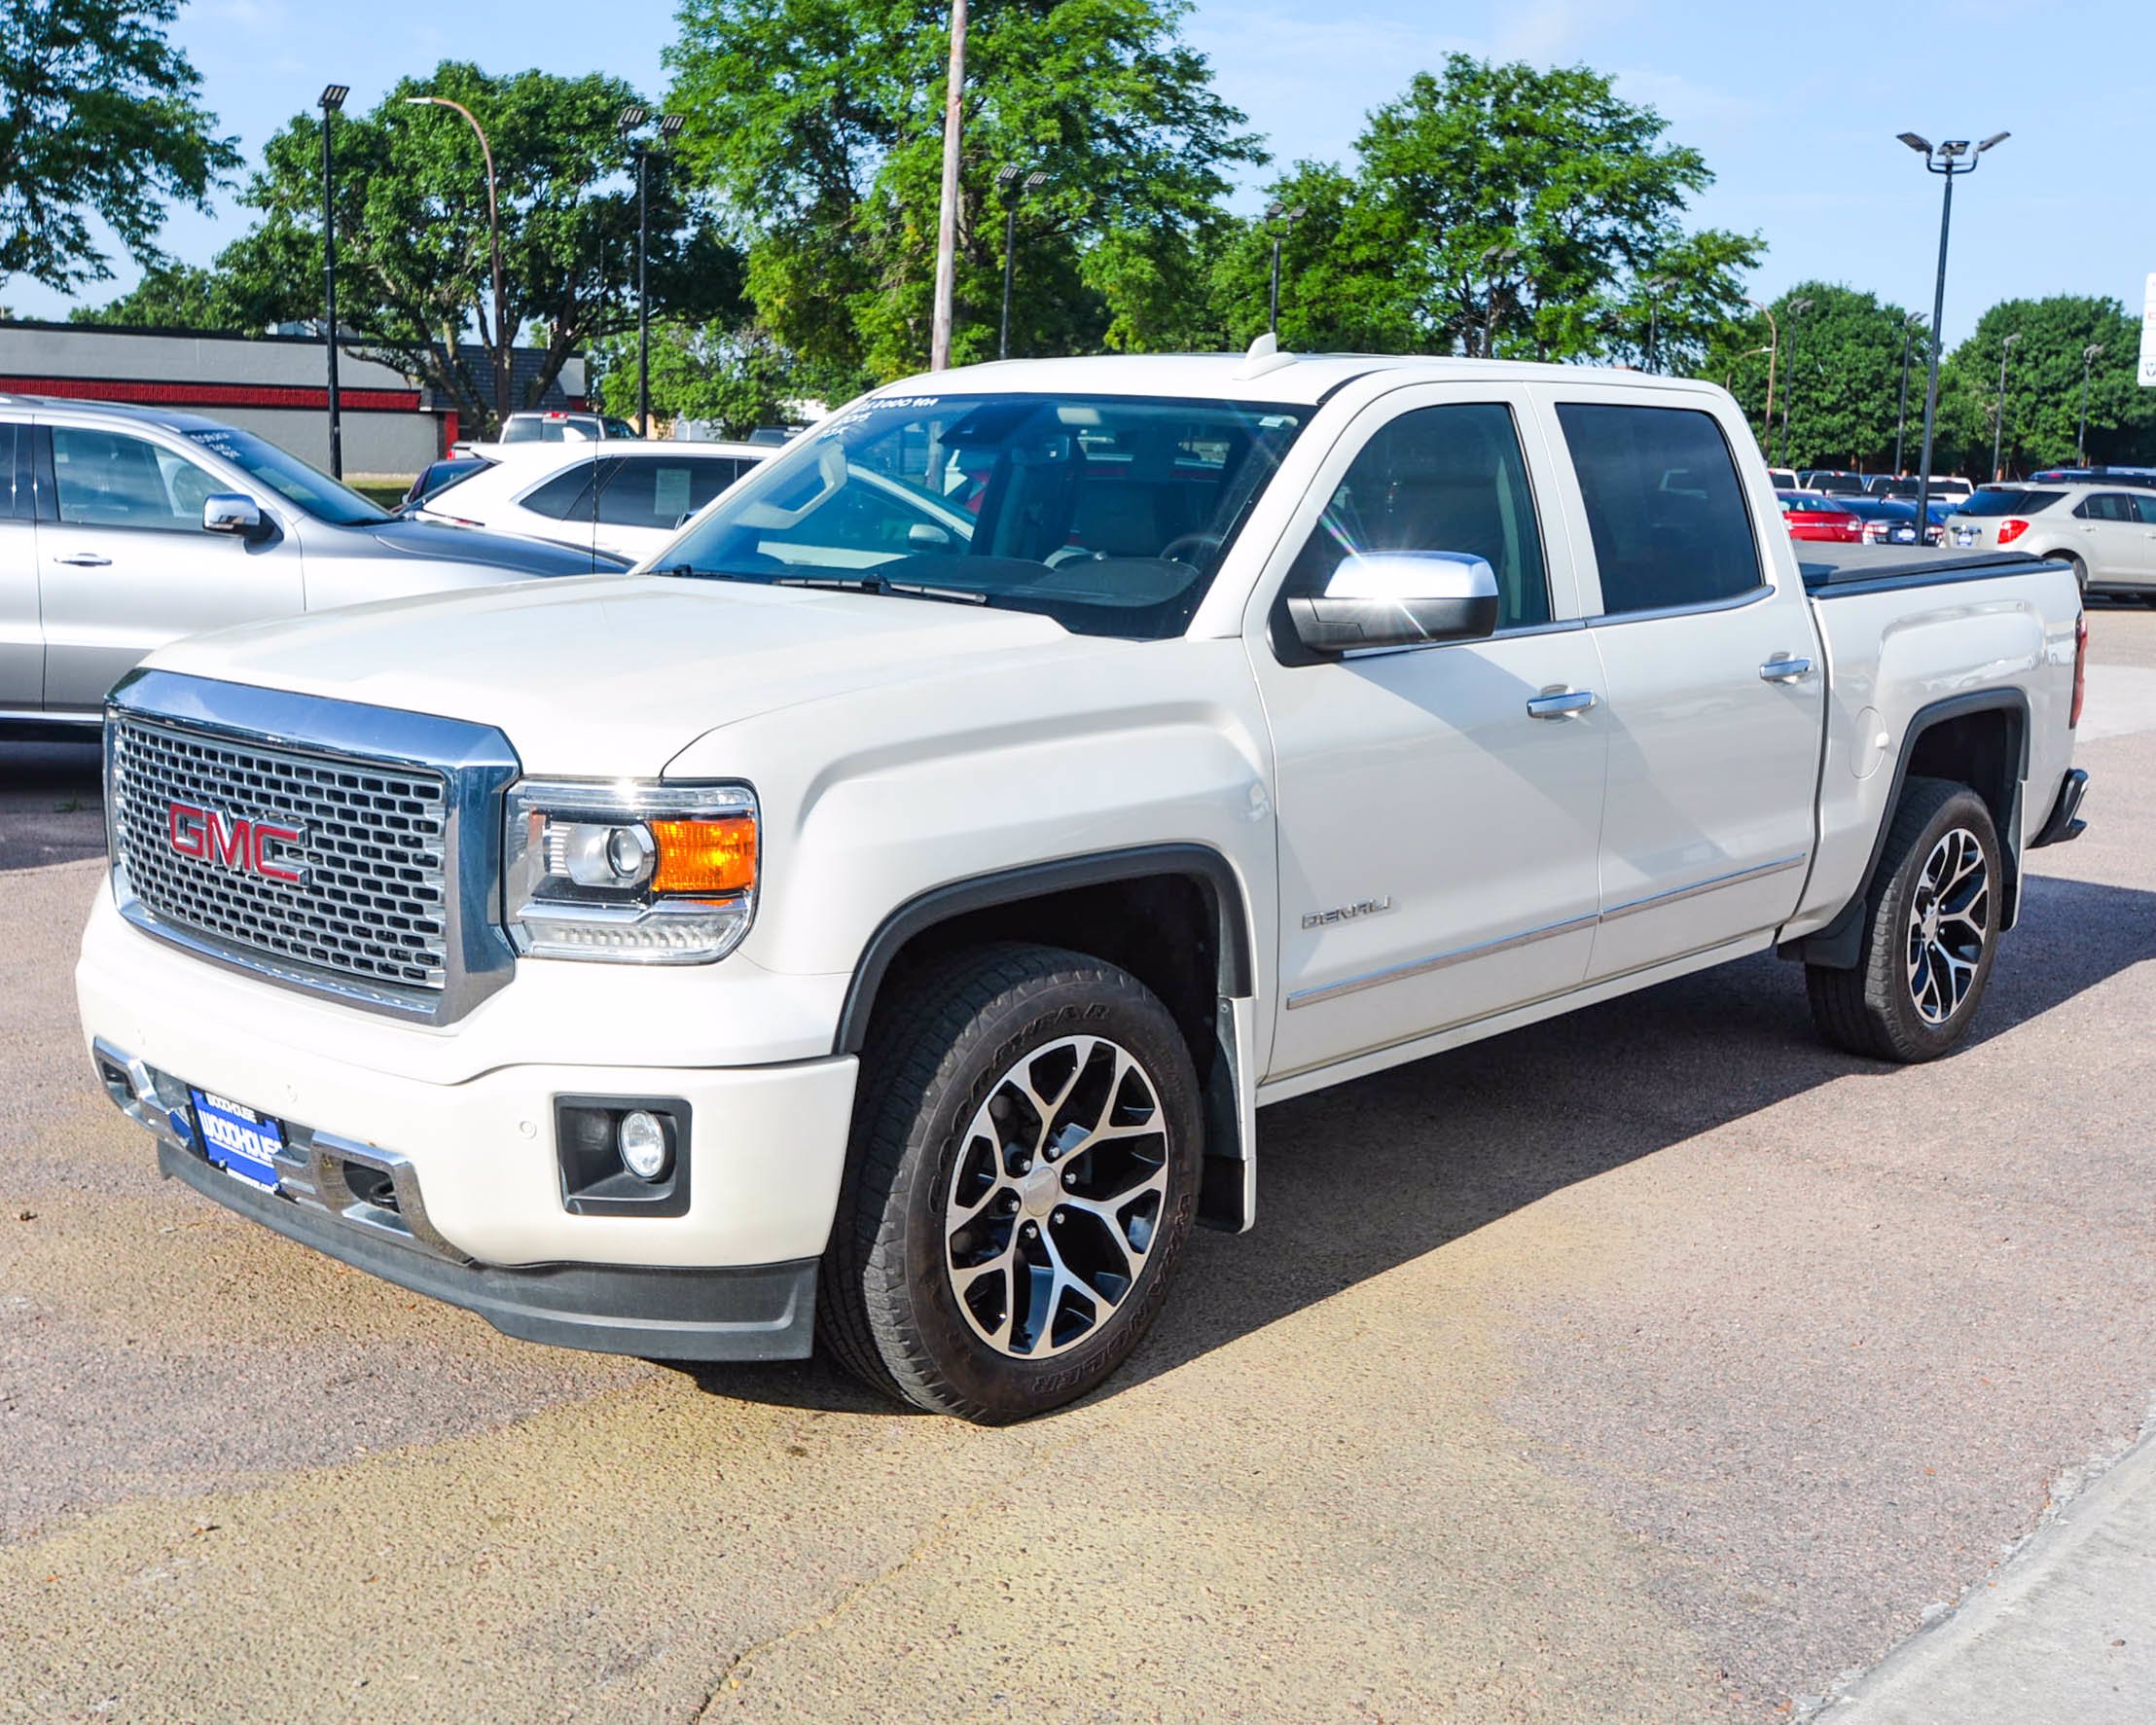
pixel 123 527
pixel 2106 533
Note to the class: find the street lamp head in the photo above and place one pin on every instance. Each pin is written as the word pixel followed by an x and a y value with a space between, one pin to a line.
pixel 670 126
pixel 333 95
pixel 2009 340
pixel 1953 147
pixel 2093 352
pixel 631 116
pixel 1998 137
pixel 1921 146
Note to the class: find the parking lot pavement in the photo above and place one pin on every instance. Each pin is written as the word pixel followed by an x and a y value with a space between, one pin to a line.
pixel 1654 1364
pixel 49 803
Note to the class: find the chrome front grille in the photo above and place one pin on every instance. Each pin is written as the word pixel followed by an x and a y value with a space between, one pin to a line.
pixel 370 900
pixel 332 847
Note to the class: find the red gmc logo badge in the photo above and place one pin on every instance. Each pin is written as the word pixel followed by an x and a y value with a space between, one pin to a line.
pixel 210 835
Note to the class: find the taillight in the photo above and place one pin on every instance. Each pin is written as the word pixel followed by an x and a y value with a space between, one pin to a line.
pixel 2080 667
pixel 1875 532
pixel 2011 529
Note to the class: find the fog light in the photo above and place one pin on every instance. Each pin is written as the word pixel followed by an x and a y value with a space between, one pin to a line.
pixel 642 1141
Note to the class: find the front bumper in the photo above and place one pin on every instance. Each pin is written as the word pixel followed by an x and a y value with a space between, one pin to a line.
pixel 410 1155
pixel 757 1312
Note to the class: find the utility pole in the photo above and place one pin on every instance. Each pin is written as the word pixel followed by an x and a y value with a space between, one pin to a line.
pixel 1796 308
pixel 947 215
pixel 333 99
pixel 504 338
pixel 631 119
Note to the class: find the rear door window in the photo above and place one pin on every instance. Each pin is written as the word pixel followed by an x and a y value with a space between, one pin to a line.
pixel 1664 505
pixel 662 492
pixel 2107 506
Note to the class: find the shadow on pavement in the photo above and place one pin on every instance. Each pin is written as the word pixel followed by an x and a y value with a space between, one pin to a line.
pixel 1361 1179
pixel 52 804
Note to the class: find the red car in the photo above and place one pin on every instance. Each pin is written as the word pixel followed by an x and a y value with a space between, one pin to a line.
pixel 1812 515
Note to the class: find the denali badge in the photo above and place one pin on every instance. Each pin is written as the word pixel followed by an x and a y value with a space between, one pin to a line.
pixel 1367 906
pixel 210 835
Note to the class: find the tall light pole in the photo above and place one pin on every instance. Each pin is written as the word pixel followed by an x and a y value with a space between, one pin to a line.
pixel 1953 157
pixel 2089 354
pixel 1281 221
pixel 1910 325
pixel 1774 350
pixel 503 335
pixel 1795 309
pixel 1011 180
pixel 631 120
pixel 1998 419
pixel 947 213
pixel 332 100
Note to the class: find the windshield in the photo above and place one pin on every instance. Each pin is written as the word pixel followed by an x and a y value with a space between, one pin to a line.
pixel 1108 513
pixel 292 478
pixel 1998 500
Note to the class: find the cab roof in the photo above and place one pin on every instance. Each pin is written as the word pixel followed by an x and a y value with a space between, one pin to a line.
pixel 1289 378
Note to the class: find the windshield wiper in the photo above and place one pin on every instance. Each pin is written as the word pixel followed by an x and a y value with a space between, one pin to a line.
pixel 692 572
pixel 883 587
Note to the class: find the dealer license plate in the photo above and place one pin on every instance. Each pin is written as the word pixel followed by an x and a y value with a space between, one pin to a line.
pixel 237 1138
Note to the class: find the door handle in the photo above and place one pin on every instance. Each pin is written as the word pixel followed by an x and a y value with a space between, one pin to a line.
pixel 1781 669
pixel 1561 703
pixel 85 559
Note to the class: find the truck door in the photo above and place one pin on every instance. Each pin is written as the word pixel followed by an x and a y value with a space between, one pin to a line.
pixel 125 565
pixel 1714 679
pixel 1439 807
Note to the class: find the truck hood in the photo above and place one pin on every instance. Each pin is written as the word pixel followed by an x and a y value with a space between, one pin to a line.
pixel 613 675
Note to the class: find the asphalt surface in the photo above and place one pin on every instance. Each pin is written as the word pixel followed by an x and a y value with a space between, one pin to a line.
pixel 1656 1364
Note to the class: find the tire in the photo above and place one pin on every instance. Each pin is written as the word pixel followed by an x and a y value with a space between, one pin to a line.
pixel 953 1208
pixel 2080 569
pixel 1919 980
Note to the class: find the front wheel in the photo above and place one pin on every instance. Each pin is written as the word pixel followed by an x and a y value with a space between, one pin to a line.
pixel 1023 1179
pixel 1931 927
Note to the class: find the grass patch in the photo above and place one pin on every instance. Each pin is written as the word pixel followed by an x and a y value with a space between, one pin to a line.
pixel 388 495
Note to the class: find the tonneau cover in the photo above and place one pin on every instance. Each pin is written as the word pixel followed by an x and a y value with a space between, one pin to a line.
pixel 1831 569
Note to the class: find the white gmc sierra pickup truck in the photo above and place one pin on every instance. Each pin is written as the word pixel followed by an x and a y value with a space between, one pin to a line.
pixel 883 915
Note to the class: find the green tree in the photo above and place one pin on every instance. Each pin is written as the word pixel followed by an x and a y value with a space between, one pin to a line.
pixel 413 264
pixel 169 296
pixel 99 119
pixel 1837 376
pixel 2043 386
pixel 1497 210
pixel 819 122
pixel 729 373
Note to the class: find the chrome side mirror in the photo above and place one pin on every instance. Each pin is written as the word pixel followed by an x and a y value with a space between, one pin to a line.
pixel 233 512
pixel 928 536
pixel 1399 599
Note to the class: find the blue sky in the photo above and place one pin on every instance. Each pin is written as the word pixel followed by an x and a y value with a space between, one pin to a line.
pixel 1796 108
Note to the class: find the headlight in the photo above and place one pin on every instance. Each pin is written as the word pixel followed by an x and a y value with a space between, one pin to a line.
pixel 628 872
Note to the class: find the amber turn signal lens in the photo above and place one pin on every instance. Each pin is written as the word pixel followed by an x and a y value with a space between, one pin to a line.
pixel 705 856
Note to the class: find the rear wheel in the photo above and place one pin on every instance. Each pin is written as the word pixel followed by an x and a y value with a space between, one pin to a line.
pixel 2080 570
pixel 1930 932
pixel 1023 1178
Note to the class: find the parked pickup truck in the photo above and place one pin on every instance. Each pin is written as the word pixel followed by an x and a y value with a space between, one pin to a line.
pixel 883 917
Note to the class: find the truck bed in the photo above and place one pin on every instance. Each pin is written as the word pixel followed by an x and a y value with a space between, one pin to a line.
pixel 1830 570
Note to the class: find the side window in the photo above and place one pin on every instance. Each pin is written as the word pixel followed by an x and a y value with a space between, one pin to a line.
pixel 1664 505
pixel 564 495
pixel 655 492
pixel 108 479
pixel 2105 506
pixel 2144 509
pixel 1438 478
